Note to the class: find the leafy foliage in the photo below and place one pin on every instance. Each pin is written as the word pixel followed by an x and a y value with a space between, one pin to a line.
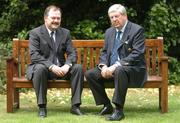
pixel 163 21
pixel 86 29
pixel 88 19
pixel 11 19
pixel 174 71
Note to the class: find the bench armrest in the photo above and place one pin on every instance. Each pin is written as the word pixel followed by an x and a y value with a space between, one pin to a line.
pixel 12 67
pixel 11 59
pixel 164 69
pixel 164 58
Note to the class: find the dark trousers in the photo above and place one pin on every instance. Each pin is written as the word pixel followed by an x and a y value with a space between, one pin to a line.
pixel 42 74
pixel 96 83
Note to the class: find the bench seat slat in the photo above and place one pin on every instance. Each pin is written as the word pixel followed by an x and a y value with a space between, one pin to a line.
pixel 152 82
pixel 25 80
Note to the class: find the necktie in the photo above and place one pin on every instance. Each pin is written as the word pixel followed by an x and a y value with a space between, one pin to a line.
pixel 54 60
pixel 114 54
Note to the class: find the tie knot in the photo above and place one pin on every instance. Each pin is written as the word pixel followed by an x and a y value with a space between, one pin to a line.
pixel 52 33
pixel 52 36
pixel 118 34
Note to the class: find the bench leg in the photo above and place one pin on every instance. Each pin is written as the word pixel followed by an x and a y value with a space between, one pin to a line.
pixel 16 98
pixel 159 98
pixel 10 98
pixel 163 99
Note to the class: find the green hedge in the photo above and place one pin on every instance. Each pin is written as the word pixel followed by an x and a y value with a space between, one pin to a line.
pixel 159 18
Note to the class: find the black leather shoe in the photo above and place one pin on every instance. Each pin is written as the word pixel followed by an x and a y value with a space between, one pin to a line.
pixel 76 111
pixel 116 115
pixel 108 109
pixel 42 112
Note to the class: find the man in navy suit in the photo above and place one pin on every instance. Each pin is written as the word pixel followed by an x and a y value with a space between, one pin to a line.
pixel 48 45
pixel 122 61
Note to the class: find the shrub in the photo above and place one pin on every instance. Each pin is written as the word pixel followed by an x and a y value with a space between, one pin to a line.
pixel 163 21
pixel 87 29
pixel 174 71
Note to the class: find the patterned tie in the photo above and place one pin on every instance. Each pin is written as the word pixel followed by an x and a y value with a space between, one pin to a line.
pixel 55 60
pixel 114 55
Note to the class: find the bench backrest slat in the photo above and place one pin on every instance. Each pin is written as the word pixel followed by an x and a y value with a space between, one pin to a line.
pixel 88 52
pixel 154 51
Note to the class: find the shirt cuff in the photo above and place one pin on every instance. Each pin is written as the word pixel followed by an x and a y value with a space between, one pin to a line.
pixel 117 64
pixel 70 65
pixel 100 66
pixel 50 68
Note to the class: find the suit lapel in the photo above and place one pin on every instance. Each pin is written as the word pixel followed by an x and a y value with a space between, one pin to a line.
pixel 125 36
pixel 59 37
pixel 46 36
pixel 112 39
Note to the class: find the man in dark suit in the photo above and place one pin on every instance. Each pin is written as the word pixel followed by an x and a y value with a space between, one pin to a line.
pixel 122 61
pixel 48 45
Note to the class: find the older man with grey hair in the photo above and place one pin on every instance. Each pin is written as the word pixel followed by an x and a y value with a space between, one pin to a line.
pixel 122 61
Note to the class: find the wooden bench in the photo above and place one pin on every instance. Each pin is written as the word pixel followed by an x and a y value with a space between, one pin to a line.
pixel 88 55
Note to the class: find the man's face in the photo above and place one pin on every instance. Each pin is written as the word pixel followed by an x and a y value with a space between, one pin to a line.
pixel 117 19
pixel 53 20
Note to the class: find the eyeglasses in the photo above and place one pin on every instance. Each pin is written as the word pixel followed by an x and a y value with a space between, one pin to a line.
pixel 115 16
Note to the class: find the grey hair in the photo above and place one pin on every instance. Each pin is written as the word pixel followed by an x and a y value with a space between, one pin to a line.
pixel 117 8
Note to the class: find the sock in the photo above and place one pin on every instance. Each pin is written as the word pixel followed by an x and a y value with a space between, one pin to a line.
pixel 118 107
pixel 76 105
pixel 107 105
pixel 42 105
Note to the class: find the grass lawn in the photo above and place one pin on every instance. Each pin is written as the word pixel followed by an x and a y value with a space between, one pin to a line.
pixel 141 107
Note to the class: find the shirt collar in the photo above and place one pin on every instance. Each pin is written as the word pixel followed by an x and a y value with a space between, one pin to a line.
pixel 49 31
pixel 123 28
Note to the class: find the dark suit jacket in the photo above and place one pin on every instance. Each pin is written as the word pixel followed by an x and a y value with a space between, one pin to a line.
pixel 41 48
pixel 131 50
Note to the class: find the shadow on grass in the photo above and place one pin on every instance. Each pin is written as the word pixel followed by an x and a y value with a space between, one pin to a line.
pixel 90 109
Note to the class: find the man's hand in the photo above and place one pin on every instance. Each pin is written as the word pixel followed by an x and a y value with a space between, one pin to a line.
pixel 65 68
pixel 103 71
pixel 60 71
pixel 57 70
pixel 110 71
pixel 107 72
